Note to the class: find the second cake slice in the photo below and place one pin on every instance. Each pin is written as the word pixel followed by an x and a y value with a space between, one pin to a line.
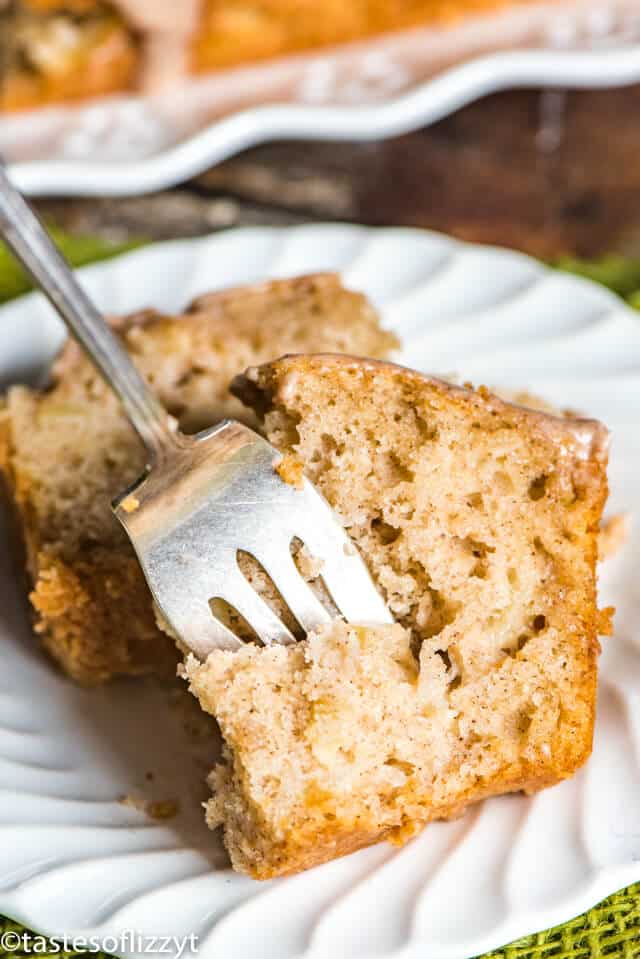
pixel 478 520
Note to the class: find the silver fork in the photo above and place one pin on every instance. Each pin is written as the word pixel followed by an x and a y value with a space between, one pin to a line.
pixel 206 497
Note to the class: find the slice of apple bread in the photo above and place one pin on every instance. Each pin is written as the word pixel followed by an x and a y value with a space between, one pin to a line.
pixel 478 520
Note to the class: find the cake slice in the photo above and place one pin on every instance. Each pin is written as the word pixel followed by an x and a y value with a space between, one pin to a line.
pixel 478 520
pixel 67 451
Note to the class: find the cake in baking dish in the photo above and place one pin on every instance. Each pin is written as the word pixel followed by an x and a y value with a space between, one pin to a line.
pixel 53 51
pixel 478 520
pixel 60 50
pixel 236 31
pixel 67 451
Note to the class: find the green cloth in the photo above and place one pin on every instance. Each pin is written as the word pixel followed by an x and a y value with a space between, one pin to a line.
pixel 611 929
pixel 80 250
pixel 620 274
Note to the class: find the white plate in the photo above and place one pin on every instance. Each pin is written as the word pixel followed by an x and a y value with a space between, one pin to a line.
pixel 367 91
pixel 74 860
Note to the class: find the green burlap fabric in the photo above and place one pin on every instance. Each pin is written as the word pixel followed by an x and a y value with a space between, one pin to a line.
pixel 612 928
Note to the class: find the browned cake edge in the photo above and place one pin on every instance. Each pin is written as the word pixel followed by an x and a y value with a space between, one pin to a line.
pixel 63 597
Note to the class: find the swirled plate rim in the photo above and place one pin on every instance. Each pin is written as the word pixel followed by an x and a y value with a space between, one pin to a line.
pixel 436 289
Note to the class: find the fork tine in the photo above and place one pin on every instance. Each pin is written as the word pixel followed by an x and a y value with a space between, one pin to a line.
pixel 202 631
pixel 243 597
pixel 343 569
pixel 217 494
pixel 351 589
pixel 297 594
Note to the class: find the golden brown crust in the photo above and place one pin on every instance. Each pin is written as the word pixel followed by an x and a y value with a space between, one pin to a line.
pixel 315 848
pixel 79 605
pixel 587 438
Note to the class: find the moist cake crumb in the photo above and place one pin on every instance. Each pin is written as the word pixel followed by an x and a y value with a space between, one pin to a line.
pixel 291 470
pixel 130 503
pixel 478 520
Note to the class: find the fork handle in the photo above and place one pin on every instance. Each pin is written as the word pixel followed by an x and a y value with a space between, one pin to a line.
pixel 25 234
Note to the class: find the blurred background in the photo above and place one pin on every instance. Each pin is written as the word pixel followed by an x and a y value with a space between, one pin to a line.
pixel 554 173
pixel 109 83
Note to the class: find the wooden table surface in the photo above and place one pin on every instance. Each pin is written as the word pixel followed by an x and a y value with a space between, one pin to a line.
pixel 550 172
